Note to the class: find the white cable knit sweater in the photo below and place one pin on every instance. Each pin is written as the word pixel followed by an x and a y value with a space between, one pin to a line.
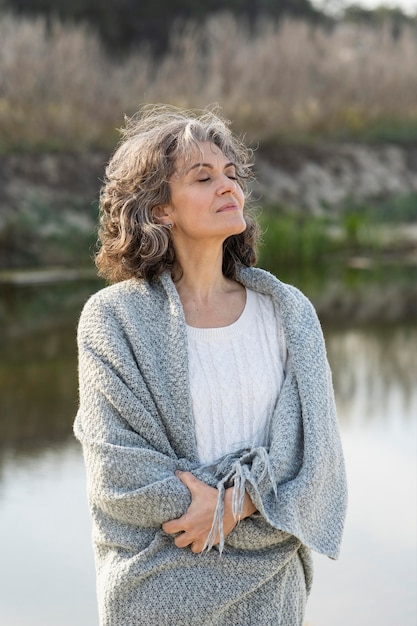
pixel 236 374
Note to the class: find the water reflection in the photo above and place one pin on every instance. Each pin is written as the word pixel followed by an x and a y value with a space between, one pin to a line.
pixel 28 309
pixel 47 557
pixel 375 579
pixel 373 367
pixel 38 387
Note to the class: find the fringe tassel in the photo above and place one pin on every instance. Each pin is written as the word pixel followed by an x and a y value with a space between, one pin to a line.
pixel 217 525
pixel 237 475
pixel 238 492
pixel 267 469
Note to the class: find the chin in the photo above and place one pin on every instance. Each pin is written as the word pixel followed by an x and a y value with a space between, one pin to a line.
pixel 241 227
pixel 235 231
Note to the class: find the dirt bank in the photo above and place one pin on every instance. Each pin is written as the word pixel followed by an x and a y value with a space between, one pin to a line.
pixel 48 202
pixel 322 178
pixel 315 178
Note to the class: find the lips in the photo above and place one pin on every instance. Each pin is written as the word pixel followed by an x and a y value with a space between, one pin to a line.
pixel 230 206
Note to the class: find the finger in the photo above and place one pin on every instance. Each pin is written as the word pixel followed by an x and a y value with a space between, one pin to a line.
pixel 183 540
pixel 197 548
pixel 173 526
pixel 189 480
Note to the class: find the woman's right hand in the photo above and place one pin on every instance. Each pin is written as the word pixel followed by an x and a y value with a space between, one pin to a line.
pixel 196 523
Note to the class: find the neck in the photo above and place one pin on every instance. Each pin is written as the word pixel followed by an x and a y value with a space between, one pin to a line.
pixel 209 300
pixel 200 273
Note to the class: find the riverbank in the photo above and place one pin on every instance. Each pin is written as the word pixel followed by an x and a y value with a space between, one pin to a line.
pixel 339 221
pixel 343 296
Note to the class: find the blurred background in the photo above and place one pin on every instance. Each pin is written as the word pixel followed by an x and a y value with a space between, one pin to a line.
pixel 326 93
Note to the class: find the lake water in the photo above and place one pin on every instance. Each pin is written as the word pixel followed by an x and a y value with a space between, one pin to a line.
pixel 47 572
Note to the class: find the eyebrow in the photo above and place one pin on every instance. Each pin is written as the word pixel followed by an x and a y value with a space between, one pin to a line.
pixel 209 165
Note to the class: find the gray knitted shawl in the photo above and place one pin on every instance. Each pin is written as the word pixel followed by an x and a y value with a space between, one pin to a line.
pixel 135 425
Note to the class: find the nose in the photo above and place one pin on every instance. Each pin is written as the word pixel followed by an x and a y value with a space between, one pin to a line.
pixel 227 185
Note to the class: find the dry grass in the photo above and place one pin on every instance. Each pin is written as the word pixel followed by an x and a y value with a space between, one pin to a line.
pixel 58 89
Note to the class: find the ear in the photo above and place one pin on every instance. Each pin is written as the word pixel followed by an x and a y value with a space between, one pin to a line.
pixel 162 214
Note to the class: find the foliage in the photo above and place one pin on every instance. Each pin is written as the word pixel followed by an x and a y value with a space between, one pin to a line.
pixel 398 210
pixel 381 14
pixel 277 81
pixel 371 232
pixel 41 235
pixel 290 241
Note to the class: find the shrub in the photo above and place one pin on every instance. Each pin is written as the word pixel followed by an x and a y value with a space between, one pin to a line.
pixel 287 80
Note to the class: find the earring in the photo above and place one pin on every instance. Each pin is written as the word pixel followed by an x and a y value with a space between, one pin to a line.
pixel 169 225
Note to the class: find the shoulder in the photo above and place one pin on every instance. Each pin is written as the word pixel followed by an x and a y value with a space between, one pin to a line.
pixel 264 282
pixel 132 292
pixel 120 302
pixel 133 306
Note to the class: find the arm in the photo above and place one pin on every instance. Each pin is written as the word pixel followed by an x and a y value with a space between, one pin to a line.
pixel 127 478
pixel 195 525
pixel 129 458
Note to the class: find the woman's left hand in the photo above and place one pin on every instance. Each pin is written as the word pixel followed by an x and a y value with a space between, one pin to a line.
pixel 194 526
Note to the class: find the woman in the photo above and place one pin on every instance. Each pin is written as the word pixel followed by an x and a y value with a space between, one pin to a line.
pixel 206 405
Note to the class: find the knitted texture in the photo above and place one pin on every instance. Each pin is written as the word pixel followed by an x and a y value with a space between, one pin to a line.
pixel 135 425
pixel 236 373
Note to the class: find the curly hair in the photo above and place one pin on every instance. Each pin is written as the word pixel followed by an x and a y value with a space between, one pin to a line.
pixel 131 241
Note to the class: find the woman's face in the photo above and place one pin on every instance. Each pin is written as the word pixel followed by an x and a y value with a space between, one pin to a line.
pixel 206 198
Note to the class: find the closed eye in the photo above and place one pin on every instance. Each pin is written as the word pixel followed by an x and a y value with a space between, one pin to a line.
pixel 204 180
